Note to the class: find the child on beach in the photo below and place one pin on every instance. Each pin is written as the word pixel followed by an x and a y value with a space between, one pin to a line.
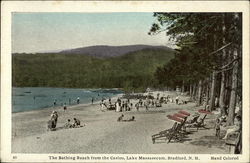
pixel 217 127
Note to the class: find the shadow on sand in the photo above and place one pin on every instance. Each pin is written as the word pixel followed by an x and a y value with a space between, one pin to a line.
pixel 209 141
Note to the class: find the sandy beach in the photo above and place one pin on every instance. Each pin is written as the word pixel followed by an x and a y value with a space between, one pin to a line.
pixel 103 134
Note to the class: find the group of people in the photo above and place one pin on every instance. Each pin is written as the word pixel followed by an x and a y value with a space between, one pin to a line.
pixel 121 119
pixel 64 104
pixel 75 124
pixel 52 123
pixel 121 106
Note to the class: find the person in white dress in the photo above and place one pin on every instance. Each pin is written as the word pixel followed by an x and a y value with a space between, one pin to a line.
pixel 117 107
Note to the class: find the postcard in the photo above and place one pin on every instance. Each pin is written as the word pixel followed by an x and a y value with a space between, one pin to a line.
pixel 125 81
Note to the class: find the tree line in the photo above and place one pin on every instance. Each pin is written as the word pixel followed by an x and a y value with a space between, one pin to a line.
pixel 208 61
pixel 131 72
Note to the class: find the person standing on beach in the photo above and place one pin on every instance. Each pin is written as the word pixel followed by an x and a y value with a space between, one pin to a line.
pixel 123 106
pixel 54 102
pixel 131 105
pixel 146 105
pixel 126 105
pixel 177 100
pixel 137 106
pixel 64 107
pixel 78 100
pixel 54 117
pixel 140 102
pixel 117 107
pixel 92 100
pixel 102 105
pixel 217 127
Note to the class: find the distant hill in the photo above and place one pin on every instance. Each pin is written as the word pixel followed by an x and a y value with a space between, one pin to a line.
pixel 104 51
pixel 133 71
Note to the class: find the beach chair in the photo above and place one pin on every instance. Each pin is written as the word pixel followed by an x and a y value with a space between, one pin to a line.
pixel 172 133
pixel 184 118
pixel 197 121
pixel 178 134
pixel 201 122
pixel 165 133
pixel 192 122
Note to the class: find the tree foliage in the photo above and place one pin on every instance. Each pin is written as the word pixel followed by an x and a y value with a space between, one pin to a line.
pixel 132 71
pixel 197 36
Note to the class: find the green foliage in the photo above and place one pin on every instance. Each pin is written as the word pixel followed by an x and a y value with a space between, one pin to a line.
pixel 197 35
pixel 133 72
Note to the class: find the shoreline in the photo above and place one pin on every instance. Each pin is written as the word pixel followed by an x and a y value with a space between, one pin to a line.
pixel 68 106
pixel 103 134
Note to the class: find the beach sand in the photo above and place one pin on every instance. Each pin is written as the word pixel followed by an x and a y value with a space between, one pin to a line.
pixel 103 134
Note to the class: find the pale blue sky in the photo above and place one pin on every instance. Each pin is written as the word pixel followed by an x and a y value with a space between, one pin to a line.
pixel 38 32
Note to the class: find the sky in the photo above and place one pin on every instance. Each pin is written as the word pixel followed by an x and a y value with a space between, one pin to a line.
pixel 43 32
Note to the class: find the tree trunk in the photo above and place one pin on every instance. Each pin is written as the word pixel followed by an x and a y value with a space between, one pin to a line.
pixel 228 88
pixel 199 93
pixel 212 93
pixel 207 95
pixel 222 88
pixel 183 87
pixel 232 102
pixel 194 91
pixel 190 90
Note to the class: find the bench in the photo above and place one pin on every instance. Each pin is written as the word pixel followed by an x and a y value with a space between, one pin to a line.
pixel 234 142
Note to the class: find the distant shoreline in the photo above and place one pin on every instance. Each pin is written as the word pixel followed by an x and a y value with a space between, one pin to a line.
pixel 68 107
pixel 37 107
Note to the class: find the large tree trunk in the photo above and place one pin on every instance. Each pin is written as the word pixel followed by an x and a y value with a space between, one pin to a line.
pixel 222 88
pixel 212 93
pixel 232 103
pixel 190 90
pixel 183 87
pixel 199 93
pixel 194 91
pixel 207 95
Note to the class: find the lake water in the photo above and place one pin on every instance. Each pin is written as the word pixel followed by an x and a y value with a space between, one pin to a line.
pixel 30 98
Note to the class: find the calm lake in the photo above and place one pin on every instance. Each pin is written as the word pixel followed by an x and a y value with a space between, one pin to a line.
pixel 34 98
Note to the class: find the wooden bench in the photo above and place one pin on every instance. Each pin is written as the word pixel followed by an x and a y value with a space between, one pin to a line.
pixel 233 141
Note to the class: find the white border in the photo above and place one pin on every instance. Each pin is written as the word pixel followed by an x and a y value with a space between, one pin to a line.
pixel 110 6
